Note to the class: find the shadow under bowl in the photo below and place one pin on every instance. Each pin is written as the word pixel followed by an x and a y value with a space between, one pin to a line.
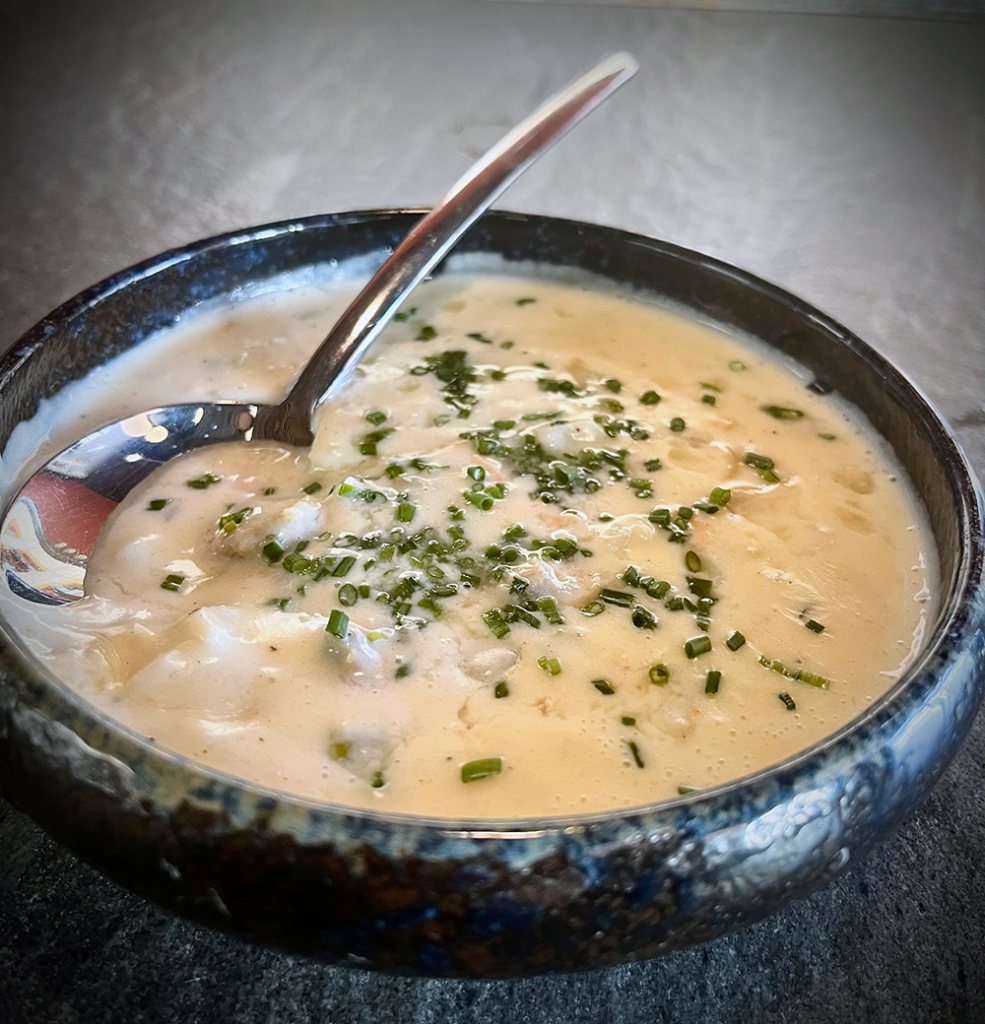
pixel 491 899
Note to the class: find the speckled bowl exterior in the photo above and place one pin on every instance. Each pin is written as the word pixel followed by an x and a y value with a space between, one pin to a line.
pixel 488 899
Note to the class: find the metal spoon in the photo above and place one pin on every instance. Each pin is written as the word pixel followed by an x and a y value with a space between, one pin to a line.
pixel 52 524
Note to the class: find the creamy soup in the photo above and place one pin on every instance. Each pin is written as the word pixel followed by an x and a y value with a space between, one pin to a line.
pixel 554 550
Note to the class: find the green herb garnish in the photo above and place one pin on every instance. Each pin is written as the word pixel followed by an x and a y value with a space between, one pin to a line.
pixel 497 626
pixel 200 483
pixel 338 624
pixel 814 626
pixel 604 687
pixel 697 645
pixel 735 641
pixel 635 751
pixel 659 674
pixel 677 424
pixel 172 581
pixel 501 689
pixel 789 703
pixel 156 504
pixel 483 768
pixel 712 682
pixel 782 412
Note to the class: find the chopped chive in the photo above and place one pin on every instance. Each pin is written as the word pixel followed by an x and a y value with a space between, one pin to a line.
pixel 758 461
pixel 548 608
pixel 280 603
pixel 501 689
pixel 828 437
pixel 736 365
pixel 604 687
pixel 172 581
pixel 374 635
pixel 652 465
pixel 483 768
pixel 693 561
pixel 782 412
pixel 769 476
pixel 156 504
pixel 644 619
pixel 789 703
pixel 660 517
pixel 269 490
pixel 814 625
pixel 735 641
pixel 697 645
pixel 798 674
pixel 659 674
pixel 649 398
pixel 551 665
pixel 338 624
pixel 475 473
pixel 483 502
pixel 378 782
pixel 406 512
pixel 635 751
pixel 713 681
pixel 205 480
pixel 273 550
pixel 479 336
pixel 342 569
pixel 593 608
pixel 376 418
pixel 524 302
pixel 403 671
pixel 683 790
pixel 720 496
pixel 677 424
pixel 494 620
pixel 348 595
pixel 313 488
pixel 504 424
pixel 340 751
pixel 426 333
pixel 617 597
pixel 708 399
pixel 611 405
pixel 628 720
pixel 615 386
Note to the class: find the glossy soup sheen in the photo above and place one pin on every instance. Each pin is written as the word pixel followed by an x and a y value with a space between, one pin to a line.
pixel 554 550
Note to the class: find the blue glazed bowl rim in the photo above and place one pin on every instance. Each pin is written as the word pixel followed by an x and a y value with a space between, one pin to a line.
pixel 956 621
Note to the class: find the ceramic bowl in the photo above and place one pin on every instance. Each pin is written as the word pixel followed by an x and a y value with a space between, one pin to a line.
pixel 492 899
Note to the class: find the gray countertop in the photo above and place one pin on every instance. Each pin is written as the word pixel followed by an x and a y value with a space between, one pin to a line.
pixel 843 158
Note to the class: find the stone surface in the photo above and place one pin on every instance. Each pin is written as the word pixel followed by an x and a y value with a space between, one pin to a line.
pixel 843 158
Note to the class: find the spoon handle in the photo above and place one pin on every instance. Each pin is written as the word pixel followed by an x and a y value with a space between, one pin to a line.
pixel 431 238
